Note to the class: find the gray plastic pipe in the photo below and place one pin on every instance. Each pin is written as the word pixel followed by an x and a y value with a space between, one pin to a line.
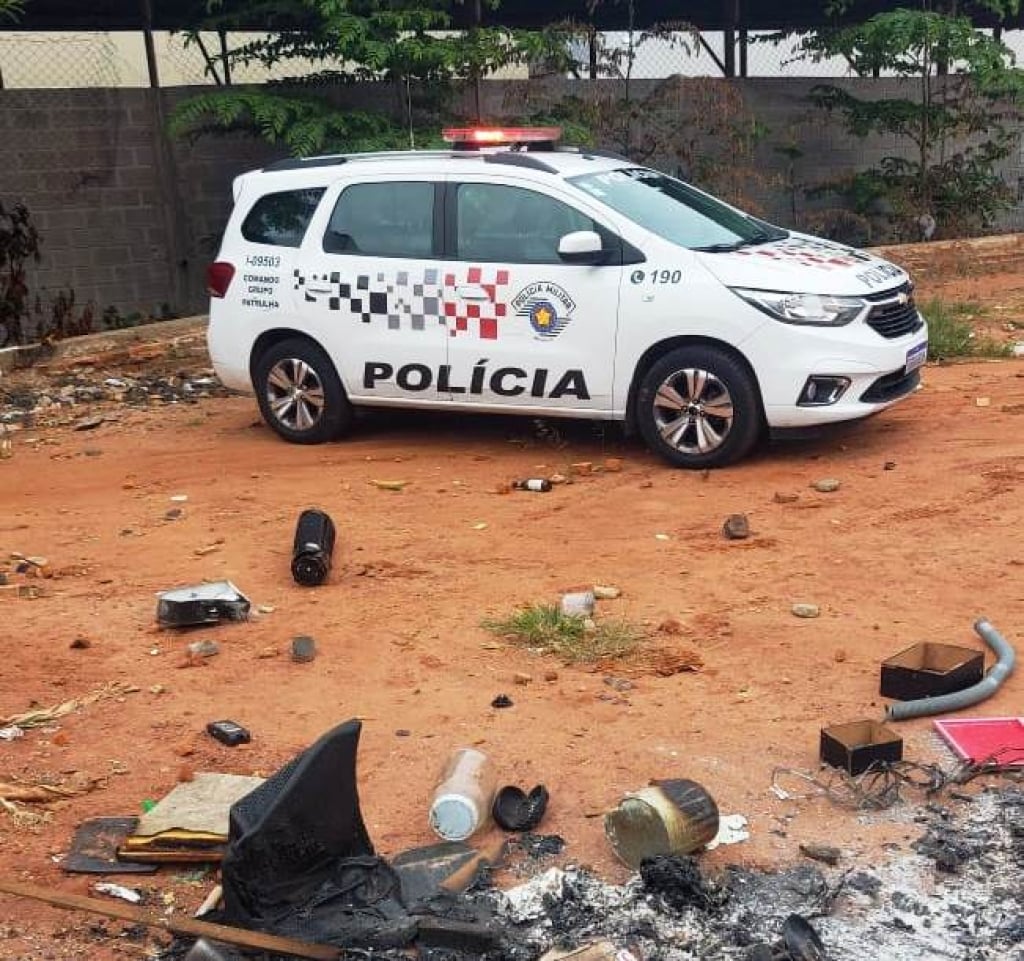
pixel 985 688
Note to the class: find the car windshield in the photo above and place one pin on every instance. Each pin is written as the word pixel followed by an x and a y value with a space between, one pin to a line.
pixel 676 211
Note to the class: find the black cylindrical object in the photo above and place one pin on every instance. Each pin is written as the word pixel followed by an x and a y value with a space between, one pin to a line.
pixel 314 548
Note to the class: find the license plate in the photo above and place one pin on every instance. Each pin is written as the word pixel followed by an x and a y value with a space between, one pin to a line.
pixel 916 356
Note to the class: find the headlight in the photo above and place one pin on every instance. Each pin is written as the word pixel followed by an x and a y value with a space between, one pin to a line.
pixel 821 310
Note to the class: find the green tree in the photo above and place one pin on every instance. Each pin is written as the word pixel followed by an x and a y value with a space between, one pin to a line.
pixel 958 118
pixel 412 47
pixel 11 9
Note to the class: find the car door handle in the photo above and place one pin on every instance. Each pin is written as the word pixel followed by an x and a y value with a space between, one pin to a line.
pixel 472 292
pixel 318 289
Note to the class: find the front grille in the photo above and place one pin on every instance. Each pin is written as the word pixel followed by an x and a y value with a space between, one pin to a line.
pixel 891 386
pixel 891 318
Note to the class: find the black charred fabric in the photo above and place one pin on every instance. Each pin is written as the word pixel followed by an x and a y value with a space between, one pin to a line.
pixel 680 882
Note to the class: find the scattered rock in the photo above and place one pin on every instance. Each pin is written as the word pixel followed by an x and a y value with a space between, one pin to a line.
pixel 840 656
pixel 670 625
pixel 582 467
pixel 502 700
pixel 577 604
pixel 179 498
pixel 90 423
pixel 782 497
pixel 826 485
pixel 806 610
pixel 522 679
pixel 982 401
pixel 175 513
pixel 403 732
pixel 606 592
pixel 889 465
pixel 268 652
pixel 558 479
pixel 821 852
pixel 303 649
pixel 613 464
pixel 204 648
pixel 736 527
pixel 80 644
pixel 619 684
pixel 550 676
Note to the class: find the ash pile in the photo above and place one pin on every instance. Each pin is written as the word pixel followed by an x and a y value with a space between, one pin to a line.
pixel 957 894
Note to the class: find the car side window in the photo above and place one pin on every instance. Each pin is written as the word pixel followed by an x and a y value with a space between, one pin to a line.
pixel 383 220
pixel 281 218
pixel 513 225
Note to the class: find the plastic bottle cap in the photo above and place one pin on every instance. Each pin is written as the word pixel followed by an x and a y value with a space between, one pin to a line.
pixel 454 817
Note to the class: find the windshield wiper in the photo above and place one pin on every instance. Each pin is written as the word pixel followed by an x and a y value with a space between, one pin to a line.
pixel 722 248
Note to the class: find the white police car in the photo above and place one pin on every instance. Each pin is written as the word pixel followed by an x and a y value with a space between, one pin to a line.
pixel 509 274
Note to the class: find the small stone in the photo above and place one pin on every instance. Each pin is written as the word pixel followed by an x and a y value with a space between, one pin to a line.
pixel 839 656
pixel 550 676
pixel 827 485
pixel 662 537
pixel 821 852
pixel 582 467
pixel 619 684
pixel 89 423
pixel 736 527
pixel 266 609
pixel 982 401
pixel 578 604
pixel 80 644
pixel 606 592
pixel 208 549
pixel 558 479
pixel 806 610
pixel 613 464
pixel 783 497
pixel 204 649
pixel 303 649
pixel 889 465
pixel 670 626
pixel 589 625
pixel 179 498
pixel 403 732
pixel 502 700
pixel 157 689
pixel 174 514
pixel 92 452
pixel 522 679
pixel 267 652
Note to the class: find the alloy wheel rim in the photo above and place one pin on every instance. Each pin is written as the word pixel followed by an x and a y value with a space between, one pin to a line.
pixel 693 411
pixel 295 394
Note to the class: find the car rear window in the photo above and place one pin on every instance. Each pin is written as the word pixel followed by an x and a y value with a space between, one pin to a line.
pixel 281 218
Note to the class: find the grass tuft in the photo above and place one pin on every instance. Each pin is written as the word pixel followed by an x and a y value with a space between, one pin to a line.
pixel 950 333
pixel 545 627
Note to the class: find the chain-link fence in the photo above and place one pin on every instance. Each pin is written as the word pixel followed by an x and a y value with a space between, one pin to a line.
pixel 119 60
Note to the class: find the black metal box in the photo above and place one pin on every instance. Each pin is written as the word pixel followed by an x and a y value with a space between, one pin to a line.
pixel 928 670
pixel 857 745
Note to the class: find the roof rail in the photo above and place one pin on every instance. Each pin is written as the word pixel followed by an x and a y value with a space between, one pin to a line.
pixel 514 159
pixel 300 163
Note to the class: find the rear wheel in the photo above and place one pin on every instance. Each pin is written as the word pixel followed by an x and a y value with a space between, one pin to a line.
pixel 300 394
pixel 698 407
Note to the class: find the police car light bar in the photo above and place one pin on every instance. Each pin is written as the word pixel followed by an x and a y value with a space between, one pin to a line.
pixel 500 135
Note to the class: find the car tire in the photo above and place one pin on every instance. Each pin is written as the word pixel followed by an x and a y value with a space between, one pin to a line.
pixel 699 407
pixel 300 394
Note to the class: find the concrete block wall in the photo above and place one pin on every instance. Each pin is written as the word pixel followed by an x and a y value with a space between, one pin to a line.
pixel 129 219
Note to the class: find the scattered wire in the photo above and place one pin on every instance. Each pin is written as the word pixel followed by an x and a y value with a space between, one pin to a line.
pixel 882 785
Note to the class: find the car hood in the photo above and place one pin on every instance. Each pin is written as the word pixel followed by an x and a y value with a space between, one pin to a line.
pixel 804 264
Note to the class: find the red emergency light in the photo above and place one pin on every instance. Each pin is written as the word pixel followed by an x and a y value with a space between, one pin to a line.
pixel 493 136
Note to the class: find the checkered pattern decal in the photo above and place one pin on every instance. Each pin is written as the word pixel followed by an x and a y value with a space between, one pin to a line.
pixel 807 253
pixel 408 300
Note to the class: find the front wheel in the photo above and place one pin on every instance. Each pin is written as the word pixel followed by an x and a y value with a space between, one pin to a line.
pixel 300 394
pixel 698 407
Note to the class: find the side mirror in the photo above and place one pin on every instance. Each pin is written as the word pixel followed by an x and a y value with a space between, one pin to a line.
pixel 581 247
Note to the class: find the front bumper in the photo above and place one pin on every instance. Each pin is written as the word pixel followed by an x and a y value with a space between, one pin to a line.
pixel 784 356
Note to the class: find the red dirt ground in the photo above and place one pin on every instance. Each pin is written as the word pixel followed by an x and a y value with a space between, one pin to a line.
pixel 894 557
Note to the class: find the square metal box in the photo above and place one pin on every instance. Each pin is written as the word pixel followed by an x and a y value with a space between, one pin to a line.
pixel 857 745
pixel 928 670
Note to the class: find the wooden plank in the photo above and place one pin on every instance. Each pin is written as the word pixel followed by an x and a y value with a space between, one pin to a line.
pixel 174 923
